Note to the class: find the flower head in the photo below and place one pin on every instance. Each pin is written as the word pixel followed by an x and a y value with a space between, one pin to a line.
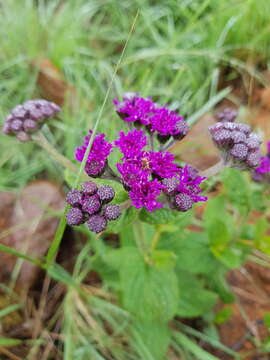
pixel 97 158
pixel 162 164
pixel 132 143
pixel 135 108
pixel 132 172
pixel 145 195
pixel 166 122
pixel 28 117
pixel 238 145
pixel 189 182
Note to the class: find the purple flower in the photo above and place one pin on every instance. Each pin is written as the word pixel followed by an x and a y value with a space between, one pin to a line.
pixel 132 172
pixel 97 158
pixel 132 143
pixel 162 164
pixel 165 122
pixel 145 195
pixel 189 182
pixel 135 108
pixel 264 167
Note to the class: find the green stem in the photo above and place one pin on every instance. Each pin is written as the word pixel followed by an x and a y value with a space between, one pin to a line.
pixel 41 140
pixel 213 170
pixel 155 240
pixel 140 240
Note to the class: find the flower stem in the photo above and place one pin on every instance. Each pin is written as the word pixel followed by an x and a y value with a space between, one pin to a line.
pixel 215 169
pixel 155 240
pixel 168 145
pixel 151 141
pixel 41 140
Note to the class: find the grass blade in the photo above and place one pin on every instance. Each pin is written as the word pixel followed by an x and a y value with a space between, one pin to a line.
pixel 61 227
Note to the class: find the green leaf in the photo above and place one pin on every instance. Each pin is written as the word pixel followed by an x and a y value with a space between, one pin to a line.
pixel 218 283
pixel 266 320
pixel 58 273
pixel 215 209
pixel 194 299
pixel 127 217
pixel 194 255
pixel 192 347
pixel 9 309
pixel 156 337
pixel 218 233
pixel 163 259
pixel 232 256
pixel 149 293
pixel 237 189
pixel 165 216
pixel 223 315
pixel 5 342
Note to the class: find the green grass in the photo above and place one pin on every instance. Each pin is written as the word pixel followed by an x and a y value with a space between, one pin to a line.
pixel 174 55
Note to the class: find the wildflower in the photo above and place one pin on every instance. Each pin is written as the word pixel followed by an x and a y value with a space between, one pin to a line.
pixel 238 145
pixel 145 195
pixel 28 117
pixel 132 173
pixel 97 158
pixel 162 164
pixel 166 122
pixel 132 143
pixel 144 112
pixel 189 182
pixel 135 109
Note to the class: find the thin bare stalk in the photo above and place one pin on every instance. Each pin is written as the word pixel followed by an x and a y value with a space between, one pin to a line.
pixel 41 140
pixel 168 145
pixel 215 169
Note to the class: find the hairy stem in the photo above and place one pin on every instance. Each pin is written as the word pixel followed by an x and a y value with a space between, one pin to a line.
pixel 168 145
pixel 215 169
pixel 41 140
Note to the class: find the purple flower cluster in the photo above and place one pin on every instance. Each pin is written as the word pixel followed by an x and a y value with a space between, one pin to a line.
pixel 97 159
pixel 90 205
pixel 27 118
pixel 238 145
pixel 143 173
pixel 184 189
pixel 144 112
pixel 227 115
pixel 262 172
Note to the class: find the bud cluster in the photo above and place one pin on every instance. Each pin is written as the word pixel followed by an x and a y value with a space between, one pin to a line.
pixel 91 205
pixel 227 115
pixel 27 118
pixel 238 145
